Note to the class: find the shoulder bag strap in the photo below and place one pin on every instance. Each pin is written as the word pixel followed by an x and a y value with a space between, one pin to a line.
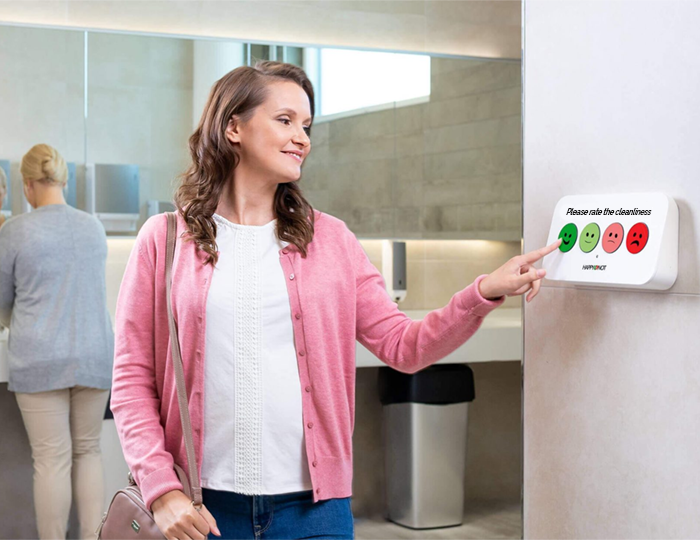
pixel 196 490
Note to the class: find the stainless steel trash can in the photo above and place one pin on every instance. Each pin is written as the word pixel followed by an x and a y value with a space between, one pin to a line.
pixel 425 443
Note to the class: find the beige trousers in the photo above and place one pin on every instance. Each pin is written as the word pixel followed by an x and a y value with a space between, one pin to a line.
pixel 64 428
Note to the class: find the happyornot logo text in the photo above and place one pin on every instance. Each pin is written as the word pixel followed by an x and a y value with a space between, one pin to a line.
pixel 594 266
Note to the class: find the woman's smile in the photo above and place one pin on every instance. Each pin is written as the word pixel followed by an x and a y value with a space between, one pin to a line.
pixel 296 157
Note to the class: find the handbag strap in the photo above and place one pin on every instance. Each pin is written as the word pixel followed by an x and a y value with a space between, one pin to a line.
pixel 195 488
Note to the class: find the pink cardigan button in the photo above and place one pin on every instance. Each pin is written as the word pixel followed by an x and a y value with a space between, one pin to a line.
pixel 301 353
pixel 308 389
pixel 291 276
pixel 310 425
pixel 315 463
pixel 297 316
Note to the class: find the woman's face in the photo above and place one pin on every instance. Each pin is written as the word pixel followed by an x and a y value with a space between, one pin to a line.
pixel 278 127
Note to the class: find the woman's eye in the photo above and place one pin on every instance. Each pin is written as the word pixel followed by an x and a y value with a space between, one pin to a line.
pixel 306 129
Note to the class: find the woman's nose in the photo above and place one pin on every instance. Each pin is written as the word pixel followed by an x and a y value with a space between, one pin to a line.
pixel 302 139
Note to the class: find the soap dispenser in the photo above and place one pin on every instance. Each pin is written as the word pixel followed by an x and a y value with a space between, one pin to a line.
pixel 394 269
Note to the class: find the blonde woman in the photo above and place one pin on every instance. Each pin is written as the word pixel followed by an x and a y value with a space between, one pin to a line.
pixel 269 296
pixel 3 193
pixel 53 298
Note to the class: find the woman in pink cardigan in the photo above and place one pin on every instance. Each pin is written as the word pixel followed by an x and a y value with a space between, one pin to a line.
pixel 269 297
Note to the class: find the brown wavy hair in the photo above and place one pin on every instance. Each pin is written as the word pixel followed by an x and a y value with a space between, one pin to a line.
pixel 214 158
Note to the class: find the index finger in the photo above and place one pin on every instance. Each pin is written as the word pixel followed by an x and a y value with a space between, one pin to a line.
pixel 534 256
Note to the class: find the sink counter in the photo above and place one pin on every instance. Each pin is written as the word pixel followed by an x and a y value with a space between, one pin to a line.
pixel 499 339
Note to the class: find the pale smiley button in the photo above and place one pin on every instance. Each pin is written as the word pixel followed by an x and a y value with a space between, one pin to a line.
pixel 589 237
pixel 612 238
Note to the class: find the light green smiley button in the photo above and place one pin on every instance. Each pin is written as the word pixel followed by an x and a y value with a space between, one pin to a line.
pixel 589 237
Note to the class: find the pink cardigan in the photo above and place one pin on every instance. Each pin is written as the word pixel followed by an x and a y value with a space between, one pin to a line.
pixel 336 296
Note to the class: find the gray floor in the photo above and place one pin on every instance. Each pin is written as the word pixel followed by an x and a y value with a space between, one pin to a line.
pixel 483 521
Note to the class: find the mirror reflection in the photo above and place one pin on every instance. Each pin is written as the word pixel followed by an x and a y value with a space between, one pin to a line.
pixel 404 145
pixel 419 155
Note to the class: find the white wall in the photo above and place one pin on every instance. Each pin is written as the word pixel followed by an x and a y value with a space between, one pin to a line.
pixel 612 378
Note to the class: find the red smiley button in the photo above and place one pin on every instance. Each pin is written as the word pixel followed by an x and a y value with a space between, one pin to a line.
pixel 637 237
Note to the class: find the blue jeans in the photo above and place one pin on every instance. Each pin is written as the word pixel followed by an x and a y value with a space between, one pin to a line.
pixel 287 515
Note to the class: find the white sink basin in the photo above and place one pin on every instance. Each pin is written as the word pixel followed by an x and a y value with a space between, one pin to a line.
pixel 499 339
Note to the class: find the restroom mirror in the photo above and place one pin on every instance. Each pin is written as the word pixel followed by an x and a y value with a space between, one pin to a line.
pixel 403 145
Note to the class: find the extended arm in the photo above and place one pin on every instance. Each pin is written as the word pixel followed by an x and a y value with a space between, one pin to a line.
pixel 402 343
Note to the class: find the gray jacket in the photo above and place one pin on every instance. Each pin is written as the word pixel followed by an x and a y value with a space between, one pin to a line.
pixel 53 299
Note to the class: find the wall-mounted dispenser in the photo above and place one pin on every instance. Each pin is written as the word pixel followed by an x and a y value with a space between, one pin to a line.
pixel 112 194
pixel 622 240
pixel 394 269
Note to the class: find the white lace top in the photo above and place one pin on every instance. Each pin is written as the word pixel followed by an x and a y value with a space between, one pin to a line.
pixel 253 425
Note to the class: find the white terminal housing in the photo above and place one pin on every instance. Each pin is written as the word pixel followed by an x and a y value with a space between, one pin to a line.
pixel 636 246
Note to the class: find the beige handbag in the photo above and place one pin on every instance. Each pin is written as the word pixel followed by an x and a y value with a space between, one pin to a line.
pixel 127 516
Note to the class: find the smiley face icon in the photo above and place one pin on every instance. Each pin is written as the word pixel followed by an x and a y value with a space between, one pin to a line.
pixel 637 238
pixel 568 235
pixel 589 237
pixel 612 238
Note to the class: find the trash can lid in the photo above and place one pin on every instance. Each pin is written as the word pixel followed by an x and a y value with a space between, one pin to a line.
pixel 436 385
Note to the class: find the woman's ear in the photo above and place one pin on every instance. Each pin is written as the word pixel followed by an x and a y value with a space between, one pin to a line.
pixel 232 133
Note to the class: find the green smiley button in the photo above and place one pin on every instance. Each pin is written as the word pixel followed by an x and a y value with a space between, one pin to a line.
pixel 568 236
pixel 589 237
